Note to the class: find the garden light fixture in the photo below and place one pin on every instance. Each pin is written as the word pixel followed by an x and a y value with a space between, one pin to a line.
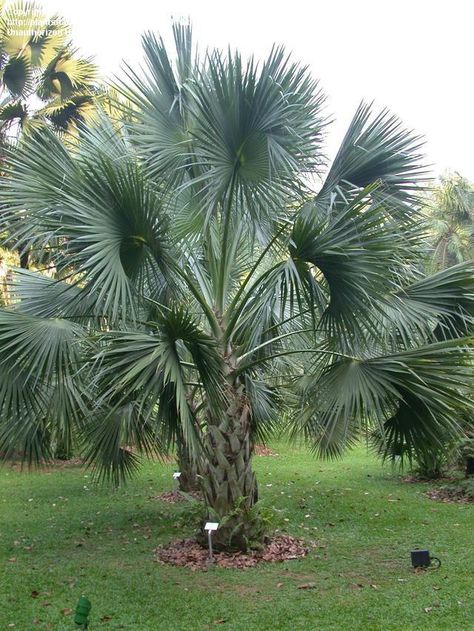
pixel 422 559
pixel 83 608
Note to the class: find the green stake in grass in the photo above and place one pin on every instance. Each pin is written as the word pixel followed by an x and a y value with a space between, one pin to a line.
pixel 83 608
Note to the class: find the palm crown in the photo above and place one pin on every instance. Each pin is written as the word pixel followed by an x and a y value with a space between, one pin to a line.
pixel 204 291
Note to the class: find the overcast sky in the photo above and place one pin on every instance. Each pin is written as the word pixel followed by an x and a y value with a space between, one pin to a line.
pixel 416 57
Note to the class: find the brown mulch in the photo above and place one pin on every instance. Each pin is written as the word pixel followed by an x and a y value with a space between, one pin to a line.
pixel 413 479
pixel 188 553
pixel 451 497
pixel 45 467
pixel 174 497
pixel 262 450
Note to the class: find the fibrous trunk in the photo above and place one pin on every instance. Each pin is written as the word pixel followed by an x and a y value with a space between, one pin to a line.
pixel 228 482
pixel 469 466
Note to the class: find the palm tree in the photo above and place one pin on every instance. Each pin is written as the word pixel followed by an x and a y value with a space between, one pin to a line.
pixel 208 291
pixel 42 78
pixel 450 210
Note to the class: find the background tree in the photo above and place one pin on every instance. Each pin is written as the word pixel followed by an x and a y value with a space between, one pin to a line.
pixel 42 77
pixel 450 211
pixel 449 208
pixel 210 289
pixel 43 80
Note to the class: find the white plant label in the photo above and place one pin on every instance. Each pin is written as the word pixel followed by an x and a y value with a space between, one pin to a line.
pixel 176 475
pixel 211 525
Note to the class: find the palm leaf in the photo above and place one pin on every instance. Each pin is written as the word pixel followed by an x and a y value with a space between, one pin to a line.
pixel 98 201
pixel 39 359
pixel 434 382
pixel 17 76
pixel 377 148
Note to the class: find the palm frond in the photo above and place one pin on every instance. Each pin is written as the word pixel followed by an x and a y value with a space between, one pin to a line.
pixel 97 199
pixel 145 366
pixel 65 74
pixel 439 306
pixel 434 382
pixel 115 438
pixel 160 128
pixel 255 129
pixel 39 359
pixel 38 295
pixel 377 149
pixel 355 251
pixel 17 76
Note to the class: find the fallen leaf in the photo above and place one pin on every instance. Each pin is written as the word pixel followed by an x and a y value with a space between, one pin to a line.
pixel 12 560
pixel 106 618
pixel 220 621
pixel 307 586
pixel 34 594
pixel 66 612
pixel 46 603
pixel 374 586
pixel 279 584
pixel 428 609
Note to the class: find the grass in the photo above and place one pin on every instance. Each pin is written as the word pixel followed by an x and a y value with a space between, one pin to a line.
pixel 60 537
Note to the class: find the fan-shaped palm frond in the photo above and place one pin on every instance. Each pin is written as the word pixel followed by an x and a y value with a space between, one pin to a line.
pixel 377 149
pixel 265 125
pixel 100 204
pixel 17 76
pixel 161 129
pixel 65 74
pixel 432 383
pixel 38 295
pixel 72 113
pixel 39 359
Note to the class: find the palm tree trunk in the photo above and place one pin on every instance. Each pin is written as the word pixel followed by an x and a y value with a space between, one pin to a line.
pixel 228 481
pixel 469 466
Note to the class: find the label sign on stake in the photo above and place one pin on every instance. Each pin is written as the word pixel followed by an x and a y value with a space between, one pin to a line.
pixel 176 476
pixel 210 527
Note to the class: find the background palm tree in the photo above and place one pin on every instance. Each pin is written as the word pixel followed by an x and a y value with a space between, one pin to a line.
pixel 208 290
pixel 43 80
pixel 450 211
pixel 42 77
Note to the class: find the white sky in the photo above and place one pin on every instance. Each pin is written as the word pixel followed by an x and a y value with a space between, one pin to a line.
pixel 416 57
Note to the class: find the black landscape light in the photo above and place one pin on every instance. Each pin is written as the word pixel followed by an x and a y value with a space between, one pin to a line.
pixel 422 558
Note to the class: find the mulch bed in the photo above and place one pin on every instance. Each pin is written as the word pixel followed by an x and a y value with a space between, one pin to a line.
pixel 45 467
pixel 262 450
pixel 188 553
pixel 174 497
pixel 450 496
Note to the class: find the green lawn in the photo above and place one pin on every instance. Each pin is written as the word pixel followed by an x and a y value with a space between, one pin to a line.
pixel 61 537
